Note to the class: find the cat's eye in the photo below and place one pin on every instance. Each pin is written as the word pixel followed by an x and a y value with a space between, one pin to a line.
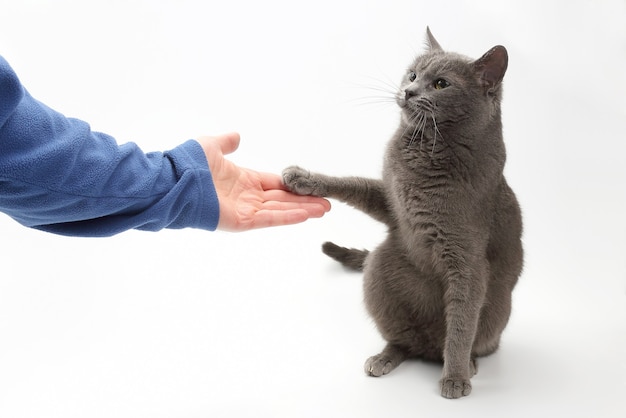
pixel 440 83
pixel 412 76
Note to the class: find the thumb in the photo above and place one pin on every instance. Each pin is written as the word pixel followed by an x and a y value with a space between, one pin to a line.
pixel 228 143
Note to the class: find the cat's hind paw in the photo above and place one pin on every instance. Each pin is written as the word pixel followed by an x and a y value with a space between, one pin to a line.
pixel 302 182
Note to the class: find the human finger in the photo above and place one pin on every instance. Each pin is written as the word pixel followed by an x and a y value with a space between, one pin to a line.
pixel 285 196
pixel 314 209
pixel 268 218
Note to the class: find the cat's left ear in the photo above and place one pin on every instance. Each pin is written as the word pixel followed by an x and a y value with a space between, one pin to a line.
pixel 490 68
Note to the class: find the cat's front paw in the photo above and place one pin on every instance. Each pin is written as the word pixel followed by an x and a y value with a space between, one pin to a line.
pixel 454 388
pixel 302 182
pixel 379 365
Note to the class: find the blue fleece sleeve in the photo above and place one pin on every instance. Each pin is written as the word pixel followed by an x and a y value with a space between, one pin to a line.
pixel 59 176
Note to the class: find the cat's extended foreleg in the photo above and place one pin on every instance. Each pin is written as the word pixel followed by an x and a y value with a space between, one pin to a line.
pixel 364 194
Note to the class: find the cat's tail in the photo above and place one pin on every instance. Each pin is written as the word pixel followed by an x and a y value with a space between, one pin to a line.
pixel 349 257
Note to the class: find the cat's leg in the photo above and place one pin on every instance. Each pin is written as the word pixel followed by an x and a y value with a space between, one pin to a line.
pixel 367 195
pixel 385 361
pixel 505 264
pixel 406 306
pixel 463 297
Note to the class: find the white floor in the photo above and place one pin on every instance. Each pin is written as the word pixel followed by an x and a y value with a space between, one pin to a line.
pixel 196 324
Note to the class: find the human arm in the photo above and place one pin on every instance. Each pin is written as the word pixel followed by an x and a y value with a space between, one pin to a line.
pixel 59 176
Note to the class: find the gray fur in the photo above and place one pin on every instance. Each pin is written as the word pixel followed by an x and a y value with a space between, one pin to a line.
pixel 439 287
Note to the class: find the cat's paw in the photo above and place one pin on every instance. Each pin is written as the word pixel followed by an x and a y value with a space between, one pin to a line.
pixel 378 365
pixel 302 182
pixel 454 388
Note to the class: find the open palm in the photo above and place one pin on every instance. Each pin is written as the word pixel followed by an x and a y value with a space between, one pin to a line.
pixel 249 199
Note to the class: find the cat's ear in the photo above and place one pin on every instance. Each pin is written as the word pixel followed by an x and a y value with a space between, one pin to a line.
pixel 490 68
pixel 433 45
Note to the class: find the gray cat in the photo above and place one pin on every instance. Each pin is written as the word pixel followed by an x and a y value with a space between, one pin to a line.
pixel 439 287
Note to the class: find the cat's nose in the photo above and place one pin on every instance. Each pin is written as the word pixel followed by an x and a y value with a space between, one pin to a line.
pixel 408 93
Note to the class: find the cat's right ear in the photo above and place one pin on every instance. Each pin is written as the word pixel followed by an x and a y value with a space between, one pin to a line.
pixel 490 68
pixel 433 45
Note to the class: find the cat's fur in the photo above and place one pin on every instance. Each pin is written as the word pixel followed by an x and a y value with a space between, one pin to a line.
pixel 439 287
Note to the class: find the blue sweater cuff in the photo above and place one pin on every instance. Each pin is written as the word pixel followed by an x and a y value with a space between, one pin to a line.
pixel 189 161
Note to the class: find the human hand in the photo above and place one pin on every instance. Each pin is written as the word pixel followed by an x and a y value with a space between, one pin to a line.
pixel 249 199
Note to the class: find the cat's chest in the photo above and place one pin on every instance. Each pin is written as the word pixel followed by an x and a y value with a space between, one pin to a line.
pixel 414 208
pixel 424 209
pixel 421 196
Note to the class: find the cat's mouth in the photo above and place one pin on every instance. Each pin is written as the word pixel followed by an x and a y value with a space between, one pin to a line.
pixel 416 112
pixel 404 103
pixel 415 104
pixel 420 120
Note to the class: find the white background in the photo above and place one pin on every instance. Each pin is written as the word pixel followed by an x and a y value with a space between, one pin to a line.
pixel 197 324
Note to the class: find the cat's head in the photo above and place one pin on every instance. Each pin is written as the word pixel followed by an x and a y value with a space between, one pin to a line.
pixel 446 89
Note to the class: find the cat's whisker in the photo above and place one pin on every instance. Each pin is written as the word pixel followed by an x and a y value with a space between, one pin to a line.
pixel 408 125
pixel 422 129
pixel 381 89
pixel 432 115
pixel 406 130
pixel 414 135
pixel 415 121
pixel 386 95
pixel 386 89
pixel 422 123
pixel 436 127
pixel 373 100
pixel 386 83
pixel 432 151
